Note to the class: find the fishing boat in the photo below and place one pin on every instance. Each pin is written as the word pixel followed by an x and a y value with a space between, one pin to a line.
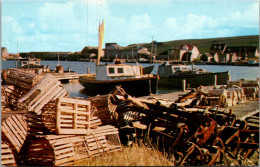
pixel 29 63
pixel 108 76
pixel 173 75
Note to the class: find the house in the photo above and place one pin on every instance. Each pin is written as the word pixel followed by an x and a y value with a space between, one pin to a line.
pixel 184 53
pixel 219 48
pixel 207 57
pixel 243 52
pixel 113 50
pixel 4 53
pixel 89 50
pixel 228 54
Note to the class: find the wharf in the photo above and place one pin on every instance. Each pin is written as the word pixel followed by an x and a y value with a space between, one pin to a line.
pixel 242 111
pixel 66 76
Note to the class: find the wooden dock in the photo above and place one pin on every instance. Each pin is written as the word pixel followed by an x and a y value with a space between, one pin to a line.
pixel 67 76
pixel 242 111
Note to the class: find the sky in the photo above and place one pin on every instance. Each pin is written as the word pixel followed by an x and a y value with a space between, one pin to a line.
pixel 70 25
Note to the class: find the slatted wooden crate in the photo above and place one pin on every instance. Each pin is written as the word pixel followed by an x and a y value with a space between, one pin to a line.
pixel 49 88
pixel 10 94
pixel 103 111
pixel 14 131
pixel 21 78
pixel 73 116
pixel 48 117
pixel 63 150
pixel 241 97
pixel 35 124
pixel 251 91
pixel 7 156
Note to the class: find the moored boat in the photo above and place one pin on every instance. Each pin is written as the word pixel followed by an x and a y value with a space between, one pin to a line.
pixel 172 75
pixel 108 76
pixel 130 78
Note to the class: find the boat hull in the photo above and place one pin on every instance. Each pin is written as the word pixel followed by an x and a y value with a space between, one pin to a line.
pixel 194 81
pixel 136 87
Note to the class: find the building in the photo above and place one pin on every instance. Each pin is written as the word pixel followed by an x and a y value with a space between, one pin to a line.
pixel 227 54
pixel 4 53
pixel 113 50
pixel 243 52
pixel 184 53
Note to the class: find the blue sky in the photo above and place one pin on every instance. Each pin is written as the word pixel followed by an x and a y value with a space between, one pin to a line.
pixel 70 25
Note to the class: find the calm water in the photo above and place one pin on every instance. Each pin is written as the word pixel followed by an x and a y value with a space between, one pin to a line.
pixel 76 90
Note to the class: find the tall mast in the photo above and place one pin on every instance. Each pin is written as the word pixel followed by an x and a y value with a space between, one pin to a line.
pixel 101 31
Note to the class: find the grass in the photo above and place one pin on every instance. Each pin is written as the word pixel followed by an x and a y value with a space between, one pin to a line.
pixel 136 155
pixel 205 44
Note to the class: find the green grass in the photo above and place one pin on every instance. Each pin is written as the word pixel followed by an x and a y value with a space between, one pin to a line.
pixel 205 44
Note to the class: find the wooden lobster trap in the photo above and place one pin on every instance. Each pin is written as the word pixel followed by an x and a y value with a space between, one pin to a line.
pixel 49 88
pixel 73 116
pixel 14 131
pixel 63 150
pixel 22 78
pixel 7 156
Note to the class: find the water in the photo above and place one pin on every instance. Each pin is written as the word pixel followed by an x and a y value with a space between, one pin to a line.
pixel 75 89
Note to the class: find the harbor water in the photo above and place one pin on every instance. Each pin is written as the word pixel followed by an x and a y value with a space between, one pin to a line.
pixel 75 89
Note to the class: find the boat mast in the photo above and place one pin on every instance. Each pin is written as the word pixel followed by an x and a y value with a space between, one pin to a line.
pixel 17 57
pixel 151 50
pixel 101 30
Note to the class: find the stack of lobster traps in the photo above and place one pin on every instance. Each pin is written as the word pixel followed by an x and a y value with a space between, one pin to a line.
pixel 191 133
pixel 41 125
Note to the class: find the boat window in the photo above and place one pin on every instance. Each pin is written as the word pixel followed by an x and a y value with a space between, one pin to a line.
pixel 120 70
pixel 111 70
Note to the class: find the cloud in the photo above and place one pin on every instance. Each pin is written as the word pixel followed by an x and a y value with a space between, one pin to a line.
pixel 247 18
pixel 71 25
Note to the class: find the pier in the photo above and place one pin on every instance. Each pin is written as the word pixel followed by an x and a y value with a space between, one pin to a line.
pixel 66 76
pixel 242 111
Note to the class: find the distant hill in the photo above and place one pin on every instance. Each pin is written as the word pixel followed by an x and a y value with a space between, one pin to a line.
pixel 204 44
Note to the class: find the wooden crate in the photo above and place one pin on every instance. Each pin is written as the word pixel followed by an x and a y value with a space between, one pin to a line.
pixel 21 78
pixel 35 124
pixel 48 89
pixel 48 117
pixel 62 150
pixel 7 156
pixel 14 131
pixel 10 94
pixel 73 116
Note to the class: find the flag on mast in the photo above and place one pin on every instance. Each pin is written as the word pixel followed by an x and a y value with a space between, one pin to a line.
pixel 101 30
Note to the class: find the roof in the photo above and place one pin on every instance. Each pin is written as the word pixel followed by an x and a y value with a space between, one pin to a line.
pixel 217 46
pixel 208 54
pixel 113 46
pixel 143 51
pixel 188 47
pixel 237 49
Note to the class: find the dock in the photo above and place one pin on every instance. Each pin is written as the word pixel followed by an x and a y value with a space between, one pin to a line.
pixel 242 111
pixel 66 76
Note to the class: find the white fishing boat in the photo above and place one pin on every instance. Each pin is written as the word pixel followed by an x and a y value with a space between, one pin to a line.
pixel 107 76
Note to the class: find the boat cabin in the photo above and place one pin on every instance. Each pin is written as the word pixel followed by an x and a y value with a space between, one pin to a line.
pixel 167 70
pixel 31 62
pixel 117 71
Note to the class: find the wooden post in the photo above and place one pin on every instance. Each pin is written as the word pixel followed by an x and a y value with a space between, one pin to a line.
pixel 183 85
pixel 215 80
pixel 88 70
pixel 58 115
pixel 75 108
